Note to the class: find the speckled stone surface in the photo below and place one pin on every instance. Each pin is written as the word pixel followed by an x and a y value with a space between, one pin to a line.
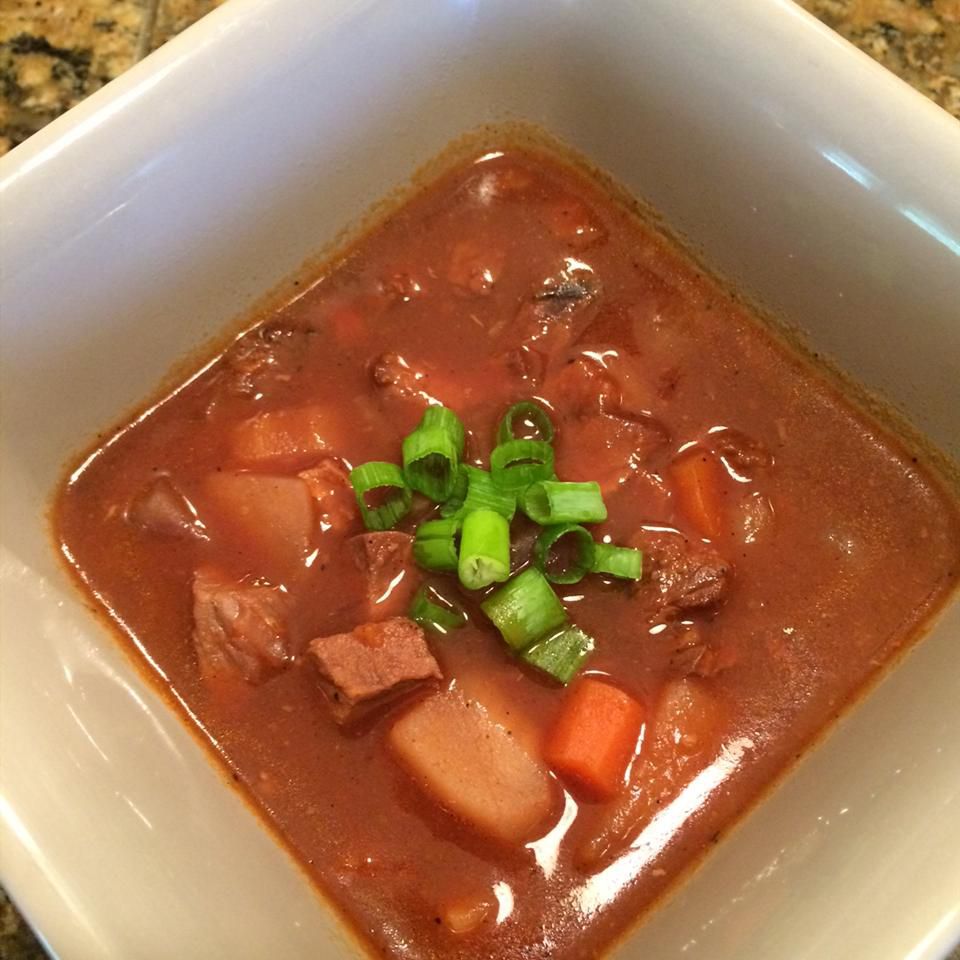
pixel 919 40
pixel 55 52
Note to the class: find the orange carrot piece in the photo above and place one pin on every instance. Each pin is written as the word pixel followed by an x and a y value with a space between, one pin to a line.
pixel 698 480
pixel 594 737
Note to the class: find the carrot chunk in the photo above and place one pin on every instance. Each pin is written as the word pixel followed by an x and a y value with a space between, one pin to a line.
pixel 595 736
pixel 698 480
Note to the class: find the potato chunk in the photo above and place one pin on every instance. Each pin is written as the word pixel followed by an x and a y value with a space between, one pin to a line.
pixel 269 518
pixel 473 767
pixel 291 435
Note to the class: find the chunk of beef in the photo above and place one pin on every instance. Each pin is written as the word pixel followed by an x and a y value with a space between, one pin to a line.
pixel 161 508
pixel 392 372
pixel 329 485
pixel 424 387
pixel 705 661
pixel 371 664
pixel 239 629
pixel 608 437
pixel 693 656
pixel 264 358
pixel 679 575
pixel 390 576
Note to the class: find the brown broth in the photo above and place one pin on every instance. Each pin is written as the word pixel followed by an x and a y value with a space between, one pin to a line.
pixel 862 546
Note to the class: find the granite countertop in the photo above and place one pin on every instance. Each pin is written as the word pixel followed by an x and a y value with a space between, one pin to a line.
pixel 55 52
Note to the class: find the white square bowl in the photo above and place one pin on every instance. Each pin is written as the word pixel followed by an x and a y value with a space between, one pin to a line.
pixel 152 214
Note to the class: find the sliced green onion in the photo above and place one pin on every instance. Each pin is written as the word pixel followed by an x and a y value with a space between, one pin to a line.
pixel 445 528
pixel 458 494
pixel 560 654
pixel 441 618
pixel 516 464
pixel 484 549
pixel 430 462
pixel 443 418
pixel 435 554
pixel 377 475
pixel 623 562
pixel 524 609
pixel 553 501
pixel 559 569
pixel 435 544
pixel 483 494
pixel 530 412
pixel 431 454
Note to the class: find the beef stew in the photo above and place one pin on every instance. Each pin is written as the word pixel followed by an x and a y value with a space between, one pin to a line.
pixel 489 717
